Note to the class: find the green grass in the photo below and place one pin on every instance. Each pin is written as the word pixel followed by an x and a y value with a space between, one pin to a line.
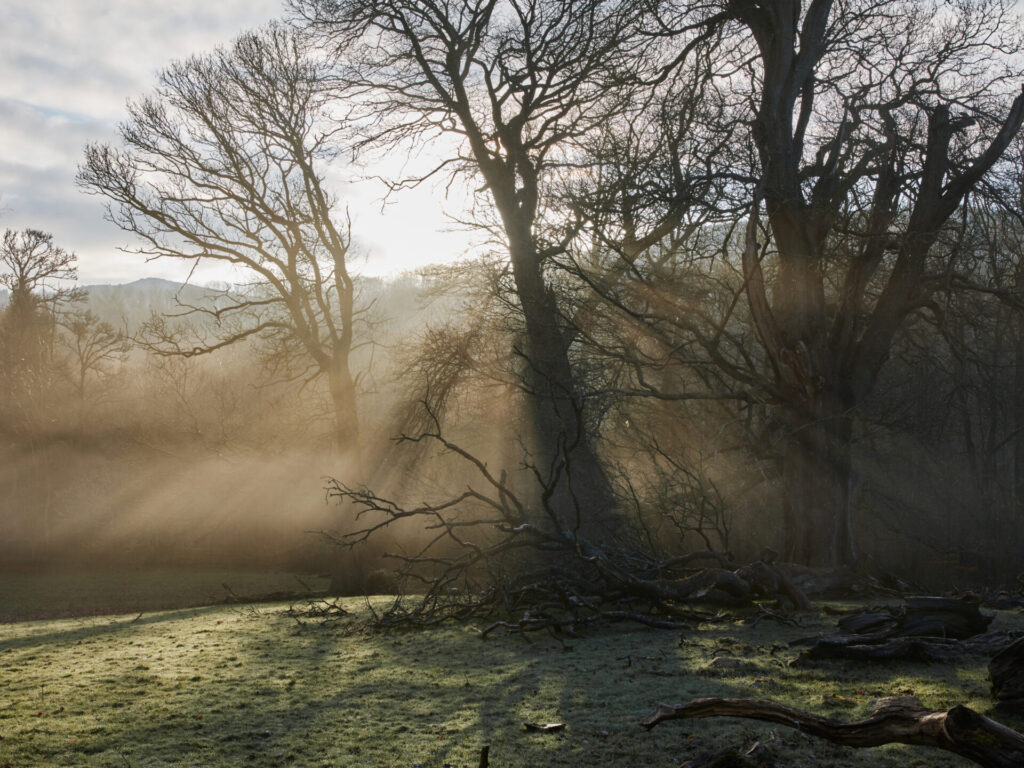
pixel 246 685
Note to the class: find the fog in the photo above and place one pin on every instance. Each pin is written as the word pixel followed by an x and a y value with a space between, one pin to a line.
pixel 173 461
pixel 691 325
pixel 216 461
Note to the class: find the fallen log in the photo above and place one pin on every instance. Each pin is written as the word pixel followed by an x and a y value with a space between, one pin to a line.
pixel 922 616
pixel 1006 671
pixel 717 583
pixel 923 629
pixel 840 583
pixel 853 648
pixel 740 587
pixel 942 617
pixel 893 721
pixel 767 580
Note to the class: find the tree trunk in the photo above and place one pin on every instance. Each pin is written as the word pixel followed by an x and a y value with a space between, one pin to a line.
pixel 1018 397
pixel 818 399
pixel 346 417
pixel 817 520
pixel 582 495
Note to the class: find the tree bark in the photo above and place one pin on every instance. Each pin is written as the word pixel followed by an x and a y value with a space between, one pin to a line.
pixel 1018 394
pixel 1006 671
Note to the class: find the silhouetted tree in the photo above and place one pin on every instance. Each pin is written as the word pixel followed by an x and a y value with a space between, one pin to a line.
pixel 224 163
pixel 516 84
pixel 872 122
pixel 92 343
pixel 40 276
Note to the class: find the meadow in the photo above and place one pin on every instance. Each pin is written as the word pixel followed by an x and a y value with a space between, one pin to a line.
pixel 259 684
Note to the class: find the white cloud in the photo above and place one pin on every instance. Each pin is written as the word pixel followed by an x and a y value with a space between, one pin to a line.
pixel 89 56
pixel 67 68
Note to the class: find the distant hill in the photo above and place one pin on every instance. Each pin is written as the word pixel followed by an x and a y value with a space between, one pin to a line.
pixel 398 301
pixel 133 303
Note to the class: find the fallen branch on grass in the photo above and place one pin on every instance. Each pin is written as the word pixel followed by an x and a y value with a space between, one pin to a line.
pixel 898 720
pixel 325 611
pixel 924 629
pixel 905 648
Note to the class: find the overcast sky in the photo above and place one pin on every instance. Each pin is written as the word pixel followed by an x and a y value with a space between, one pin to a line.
pixel 67 67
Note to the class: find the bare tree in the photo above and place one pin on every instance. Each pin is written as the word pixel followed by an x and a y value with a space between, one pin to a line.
pixel 224 163
pixel 872 122
pixel 516 82
pixel 40 276
pixel 92 343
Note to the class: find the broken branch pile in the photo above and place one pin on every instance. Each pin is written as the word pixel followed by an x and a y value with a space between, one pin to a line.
pixel 489 552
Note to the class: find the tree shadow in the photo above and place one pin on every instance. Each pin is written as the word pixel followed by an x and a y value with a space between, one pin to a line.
pixel 233 688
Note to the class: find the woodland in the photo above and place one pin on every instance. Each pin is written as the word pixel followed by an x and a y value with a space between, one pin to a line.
pixel 740 344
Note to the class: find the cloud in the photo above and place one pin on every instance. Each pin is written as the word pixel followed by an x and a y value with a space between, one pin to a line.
pixel 67 69
pixel 89 56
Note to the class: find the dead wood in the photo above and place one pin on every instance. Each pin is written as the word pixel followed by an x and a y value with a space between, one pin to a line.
pixel 903 721
pixel 925 628
pixel 491 554
pixel 942 617
pixel 742 586
pixel 768 580
pixel 868 623
pixel 323 610
pixel 1004 602
pixel 829 582
pixel 722 558
pixel 1006 599
pixel 924 649
pixel 717 584
pixel 1006 671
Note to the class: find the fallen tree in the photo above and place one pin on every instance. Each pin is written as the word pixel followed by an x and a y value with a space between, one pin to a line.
pixel 489 552
pixel 893 721
pixel 1006 671
pixel 906 648
pixel 925 628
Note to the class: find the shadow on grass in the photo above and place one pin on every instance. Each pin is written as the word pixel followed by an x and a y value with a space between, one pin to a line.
pixel 433 698
pixel 97 627
pixel 219 687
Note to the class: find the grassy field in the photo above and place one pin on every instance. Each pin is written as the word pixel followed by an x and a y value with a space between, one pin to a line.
pixel 248 685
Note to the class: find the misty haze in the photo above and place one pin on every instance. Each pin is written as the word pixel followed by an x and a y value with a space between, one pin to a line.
pixel 512 383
